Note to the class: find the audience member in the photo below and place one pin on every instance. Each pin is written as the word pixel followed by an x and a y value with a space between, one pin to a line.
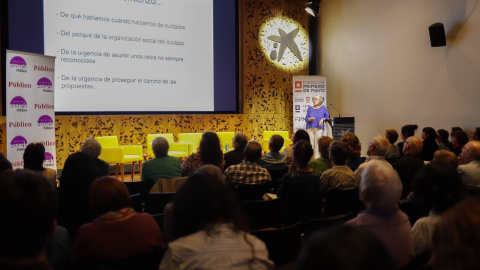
pixel 354 160
pixel 407 131
pixel 429 144
pixel 456 241
pixel 344 248
pixel 209 152
pixel 459 139
pixel 27 219
pixel 340 176
pixel 162 166
pixel 33 159
pixel 248 172
pixel 300 134
pixel 93 148
pixel 274 160
pixel 392 153
pixel 322 163
pixel 438 188
pixel 208 229
pixel 118 234
pixel 377 149
pixel 476 134
pixel 445 158
pixel 5 164
pixel 236 156
pixel 409 164
pixel 442 140
pixel 303 181
pixel 380 191
pixel 470 164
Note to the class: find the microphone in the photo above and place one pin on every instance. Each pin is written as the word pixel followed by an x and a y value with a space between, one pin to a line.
pixel 335 109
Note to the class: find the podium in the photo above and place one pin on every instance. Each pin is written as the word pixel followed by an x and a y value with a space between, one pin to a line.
pixel 342 125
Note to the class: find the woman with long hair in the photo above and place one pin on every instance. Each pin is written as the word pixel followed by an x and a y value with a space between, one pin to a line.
pixel 209 152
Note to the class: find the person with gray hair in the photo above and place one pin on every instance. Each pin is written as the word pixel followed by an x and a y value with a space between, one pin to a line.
pixel 409 164
pixel 162 166
pixel 380 190
pixel 377 149
pixel 315 118
pixel 92 148
pixel 470 164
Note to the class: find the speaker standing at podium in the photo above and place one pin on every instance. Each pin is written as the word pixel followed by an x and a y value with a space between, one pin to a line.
pixel 315 117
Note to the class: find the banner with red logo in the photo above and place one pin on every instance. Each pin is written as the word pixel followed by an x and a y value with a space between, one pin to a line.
pixel 29 105
pixel 305 88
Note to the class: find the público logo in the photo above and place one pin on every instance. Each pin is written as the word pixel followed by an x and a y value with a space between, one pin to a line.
pixel 45 121
pixel 18 103
pixel 45 84
pixel 19 143
pixel 49 160
pixel 18 63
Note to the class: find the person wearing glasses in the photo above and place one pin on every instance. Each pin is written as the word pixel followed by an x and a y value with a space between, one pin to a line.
pixel 316 115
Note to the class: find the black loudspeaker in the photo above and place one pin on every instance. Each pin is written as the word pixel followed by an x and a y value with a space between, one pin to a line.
pixel 437 35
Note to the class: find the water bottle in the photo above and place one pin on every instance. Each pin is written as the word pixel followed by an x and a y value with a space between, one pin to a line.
pixel 226 147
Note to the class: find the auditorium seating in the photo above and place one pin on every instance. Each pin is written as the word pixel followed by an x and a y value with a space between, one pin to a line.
pixel 167 184
pixel 155 202
pixel 312 225
pixel 338 202
pixel 263 214
pixel 192 139
pixel 268 134
pixel 116 154
pixel 176 149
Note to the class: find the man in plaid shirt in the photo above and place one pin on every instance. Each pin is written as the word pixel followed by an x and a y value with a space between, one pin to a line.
pixel 248 172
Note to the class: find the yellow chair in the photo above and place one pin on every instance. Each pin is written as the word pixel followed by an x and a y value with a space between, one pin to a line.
pixel 192 139
pixel 268 134
pixel 113 153
pixel 176 149
pixel 226 137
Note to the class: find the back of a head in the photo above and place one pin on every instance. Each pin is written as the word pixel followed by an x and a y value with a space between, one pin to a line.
pixel 380 187
pixel 476 134
pixel 392 135
pixel 92 148
pixel 381 145
pixel 34 156
pixel 461 136
pixel 445 159
pixel 443 135
pixel 160 147
pixel 27 212
pixel 301 134
pixel 432 134
pixel 344 248
pixel 456 240
pixel 415 145
pixel 253 151
pixel 323 145
pixel 5 164
pixel 353 144
pixel 302 152
pixel 108 194
pixel 209 148
pixel 276 143
pixel 339 152
pixel 409 130
pixel 240 140
pixel 204 199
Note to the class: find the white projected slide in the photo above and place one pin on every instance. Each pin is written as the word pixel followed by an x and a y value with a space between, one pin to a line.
pixel 131 55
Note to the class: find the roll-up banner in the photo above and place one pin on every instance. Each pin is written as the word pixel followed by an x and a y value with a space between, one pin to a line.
pixel 29 105
pixel 305 88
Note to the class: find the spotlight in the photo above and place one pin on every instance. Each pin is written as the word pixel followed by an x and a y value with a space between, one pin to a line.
pixel 313 8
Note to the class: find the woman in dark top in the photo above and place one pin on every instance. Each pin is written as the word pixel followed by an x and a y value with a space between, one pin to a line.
pixel 459 139
pixel 429 144
pixel 354 159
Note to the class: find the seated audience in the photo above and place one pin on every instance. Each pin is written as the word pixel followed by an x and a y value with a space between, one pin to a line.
pixel 27 219
pixel 274 160
pixel 236 156
pixel 392 153
pixel 438 188
pixel 377 149
pixel 456 241
pixel 354 160
pixel 429 144
pixel 118 234
pixel 304 180
pixel 442 140
pixel 162 166
pixel 209 152
pixel 409 164
pixel 406 132
pixel 344 248
pixel 445 158
pixel 248 172
pixel 340 176
pixel 476 134
pixel 322 163
pixel 5 164
pixel 208 229
pixel 93 148
pixel 380 191
pixel 470 164
pixel 300 134
pixel 459 139
pixel 33 159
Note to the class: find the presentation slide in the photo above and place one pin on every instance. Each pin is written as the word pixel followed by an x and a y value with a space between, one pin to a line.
pixel 131 55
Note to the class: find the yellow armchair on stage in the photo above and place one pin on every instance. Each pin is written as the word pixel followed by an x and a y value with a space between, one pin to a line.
pixel 226 137
pixel 113 153
pixel 177 149
pixel 192 139
pixel 268 134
